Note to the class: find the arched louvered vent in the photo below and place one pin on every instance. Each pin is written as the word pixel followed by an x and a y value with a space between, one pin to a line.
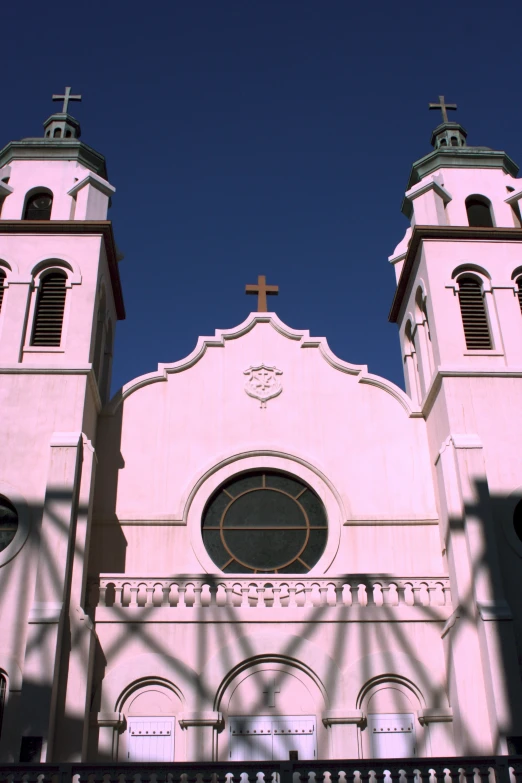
pixel 50 306
pixel 2 700
pixel 2 287
pixel 519 292
pixel 474 316
pixel 39 206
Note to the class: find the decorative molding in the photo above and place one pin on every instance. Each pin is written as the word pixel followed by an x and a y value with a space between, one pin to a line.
pixel 435 715
pixel 45 612
pixel 466 441
pixel 494 610
pixel 114 719
pixel 441 233
pixel 262 383
pixel 361 521
pixel 65 439
pixel 96 181
pixel 333 717
pixel 5 189
pixel 303 336
pixel 75 228
pixel 210 718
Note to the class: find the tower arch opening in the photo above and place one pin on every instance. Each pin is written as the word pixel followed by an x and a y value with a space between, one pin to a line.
pixel 479 211
pixel 38 204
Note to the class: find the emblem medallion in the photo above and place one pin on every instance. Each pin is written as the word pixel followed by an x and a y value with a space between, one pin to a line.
pixel 263 383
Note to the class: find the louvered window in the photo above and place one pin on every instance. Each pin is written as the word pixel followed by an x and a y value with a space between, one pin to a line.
pixel 519 292
pixel 474 316
pixel 50 306
pixel 2 287
pixel 2 699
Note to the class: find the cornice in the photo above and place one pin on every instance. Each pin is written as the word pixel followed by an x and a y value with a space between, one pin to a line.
pixel 76 228
pixel 461 158
pixel 54 149
pixel 221 336
pixel 443 233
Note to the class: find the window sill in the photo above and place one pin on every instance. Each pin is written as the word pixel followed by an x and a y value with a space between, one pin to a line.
pixel 484 353
pixel 43 349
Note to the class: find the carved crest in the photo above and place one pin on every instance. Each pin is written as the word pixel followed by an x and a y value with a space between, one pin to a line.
pixel 263 383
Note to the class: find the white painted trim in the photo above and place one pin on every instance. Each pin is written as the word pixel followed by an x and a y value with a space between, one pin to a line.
pixel 303 336
pixel 24 522
pixel 207 484
pixel 96 181
pixel 68 265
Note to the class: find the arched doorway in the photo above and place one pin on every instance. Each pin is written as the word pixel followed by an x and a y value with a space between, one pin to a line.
pixel 272 712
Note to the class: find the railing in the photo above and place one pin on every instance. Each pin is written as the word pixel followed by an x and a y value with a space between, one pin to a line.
pixel 269 592
pixel 473 769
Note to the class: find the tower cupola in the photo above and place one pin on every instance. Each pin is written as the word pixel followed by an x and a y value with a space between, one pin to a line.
pixel 62 125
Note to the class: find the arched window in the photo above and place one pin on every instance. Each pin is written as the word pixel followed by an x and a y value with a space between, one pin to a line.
pixel 105 381
pixel 443 143
pixel 454 141
pixel 473 311
pixel 264 522
pixel 38 206
pixel 98 339
pixel 57 133
pixel 2 287
pixel 50 305
pixel 8 522
pixel 479 211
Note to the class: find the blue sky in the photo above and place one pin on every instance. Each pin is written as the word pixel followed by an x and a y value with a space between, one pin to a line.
pixel 262 137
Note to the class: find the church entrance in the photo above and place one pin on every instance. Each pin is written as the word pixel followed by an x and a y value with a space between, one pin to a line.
pixel 150 739
pixel 273 738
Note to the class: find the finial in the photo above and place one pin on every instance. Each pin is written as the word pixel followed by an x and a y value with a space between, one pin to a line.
pixel 262 289
pixel 444 107
pixel 66 98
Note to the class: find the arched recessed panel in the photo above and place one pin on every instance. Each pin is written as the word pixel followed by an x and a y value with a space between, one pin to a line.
pixel 479 211
pixel 39 206
pixel 2 287
pixel 264 522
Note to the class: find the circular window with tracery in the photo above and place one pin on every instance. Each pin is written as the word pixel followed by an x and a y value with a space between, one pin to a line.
pixel 8 522
pixel 264 522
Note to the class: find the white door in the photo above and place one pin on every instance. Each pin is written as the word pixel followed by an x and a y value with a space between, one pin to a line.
pixel 150 739
pixel 392 736
pixel 293 734
pixel 267 738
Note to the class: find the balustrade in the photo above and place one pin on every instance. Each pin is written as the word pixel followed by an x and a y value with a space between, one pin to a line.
pixel 480 769
pixel 116 590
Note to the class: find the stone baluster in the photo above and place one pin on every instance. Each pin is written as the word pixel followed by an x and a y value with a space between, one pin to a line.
pixel 197 594
pixel 229 594
pixel 102 597
pixel 376 595
pixel 323 594
pixel 182 593
pixel 354 593
pixel 292 602
pixel 245 591
pixel 436 594
pixel 149 590
pixel 447 593
pixel 307 591
pixel 276 590
pixel 424 595
pixel 118 594
pixel 165 590
pixel 134 587
pixel 260 595
pixel 409 594
pixel 212 590
pixel 365 595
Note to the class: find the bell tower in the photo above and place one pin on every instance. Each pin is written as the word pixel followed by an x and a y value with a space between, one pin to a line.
pixel 60 298
pixel 458 309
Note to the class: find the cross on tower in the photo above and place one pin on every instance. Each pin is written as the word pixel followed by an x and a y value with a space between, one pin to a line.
pixel 262 289
pixel 271 691
pixel 66 98
pixel 444 107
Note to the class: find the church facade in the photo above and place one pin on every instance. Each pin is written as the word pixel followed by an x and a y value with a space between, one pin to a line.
pixel 260 551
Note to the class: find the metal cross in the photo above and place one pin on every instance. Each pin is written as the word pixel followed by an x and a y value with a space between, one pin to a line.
pixel 262 289
pixel 271 691
pixel 443 107
pixel 66 98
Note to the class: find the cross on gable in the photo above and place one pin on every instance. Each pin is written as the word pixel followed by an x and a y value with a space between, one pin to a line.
pixel 444 107
pixel 262 289
pixel 66 98
pixel 271 690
